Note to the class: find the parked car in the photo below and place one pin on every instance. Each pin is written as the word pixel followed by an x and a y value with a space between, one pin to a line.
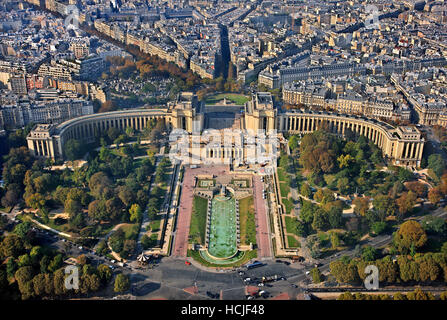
pixel 187 263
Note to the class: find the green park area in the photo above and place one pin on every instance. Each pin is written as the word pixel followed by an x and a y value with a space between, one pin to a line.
pixel 238 99
pixel 197 227
pixel 293 243
pixel 247 221
pixel 284 188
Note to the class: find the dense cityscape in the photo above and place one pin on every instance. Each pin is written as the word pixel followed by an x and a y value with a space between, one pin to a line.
pixel 223 150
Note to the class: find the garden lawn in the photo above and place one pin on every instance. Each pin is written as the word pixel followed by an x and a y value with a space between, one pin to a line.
pixel 131 231
pixel 288 204
pixel 293 243
pixel 197 228
pixel 238 99
pixel 247 220
pixel 291 224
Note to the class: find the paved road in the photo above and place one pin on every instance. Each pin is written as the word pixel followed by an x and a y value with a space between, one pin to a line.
pixel 184 215
pixel 262 229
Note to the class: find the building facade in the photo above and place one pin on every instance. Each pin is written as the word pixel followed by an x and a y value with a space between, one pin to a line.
pixel 402 146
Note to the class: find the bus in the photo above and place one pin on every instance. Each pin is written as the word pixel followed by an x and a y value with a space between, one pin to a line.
pixel 254 265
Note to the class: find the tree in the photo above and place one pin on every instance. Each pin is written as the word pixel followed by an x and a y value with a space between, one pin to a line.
pixel 320 221
pixel 136 214
pixel 56 263
pixel 428 268
pixel 437 164
pixel 116 241
pixel 335 240
pixel 35 201
pixel 25 260
pixel 316 275
pixel 405 203
pixel 417 187
pixel 344 271
pixel 369 253
pixel 73 149
pixel 418 294
pixel 293 142
pixel 399 296
pixel 324 195
pixel 361 206
pixel 307 212
pixel 39 285
pixel 146 242
pixel 384 206
pixel 128 248
pixel 44 263
pixel 305 190
pixel 11 198
pixel 11 246
pixel 343 185
pixel 126 195
pixel 434 195
pixel 59 282
pixel 24 276
pixel 379 227
pixel 444 248
pixel 345 160
pixel 72 207
pixel 388 271
pixel 346 296
pixel 22 229
pixel 105 273
pixel 434 225
pixel 410 234
pixel 97 184
pixel 335 216
pixel 122 283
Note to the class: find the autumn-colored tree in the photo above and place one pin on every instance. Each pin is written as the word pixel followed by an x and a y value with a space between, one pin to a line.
pixel 435 195
pixel 346 296
pixel 405 203
pixel 344 271
pixel 428 268
pixel 324 195
pixel 417 187
pixel 443 184
pixel 410 236
pixel 418 294
pixel 361 205
pixel 399 296
pixel 388 271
